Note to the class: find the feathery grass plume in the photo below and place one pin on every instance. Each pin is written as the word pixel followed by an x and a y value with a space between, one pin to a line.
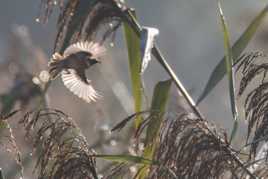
pixel 259 166
pixel 190 148
pixel 107 12
pixel 117 170
pixel 64 152
pixel 254 68
pixel 82 19
pixel 249 69
pixel 8 141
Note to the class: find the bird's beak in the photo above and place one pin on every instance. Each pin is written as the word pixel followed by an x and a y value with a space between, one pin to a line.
pixel 94 61
pixel 98 61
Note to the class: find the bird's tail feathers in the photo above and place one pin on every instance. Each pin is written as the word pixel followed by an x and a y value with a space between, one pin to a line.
pixel 54 73
pixel 55 65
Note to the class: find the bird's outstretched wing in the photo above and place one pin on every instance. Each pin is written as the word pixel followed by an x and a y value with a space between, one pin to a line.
pixel 79 85
pixel 95 49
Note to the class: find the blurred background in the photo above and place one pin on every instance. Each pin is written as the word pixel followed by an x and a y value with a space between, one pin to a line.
pixel 190 39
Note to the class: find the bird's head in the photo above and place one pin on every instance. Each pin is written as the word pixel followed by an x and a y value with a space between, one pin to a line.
pixel 93 61
pixel 88 57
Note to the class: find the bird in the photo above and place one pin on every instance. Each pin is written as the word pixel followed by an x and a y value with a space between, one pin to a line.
pixel 72 66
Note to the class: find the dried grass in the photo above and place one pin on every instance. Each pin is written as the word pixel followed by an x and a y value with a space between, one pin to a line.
pixel 254 67
pixel 191 148
pixel 64 152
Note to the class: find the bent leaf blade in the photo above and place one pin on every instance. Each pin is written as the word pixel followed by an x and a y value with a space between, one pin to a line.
pixel 229 70
pixel 220 70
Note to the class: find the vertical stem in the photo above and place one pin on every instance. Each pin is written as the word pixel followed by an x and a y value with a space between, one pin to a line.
pixel 156 52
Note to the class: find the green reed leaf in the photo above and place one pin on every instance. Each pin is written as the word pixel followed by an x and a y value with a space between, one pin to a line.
pixel 134 56
pixel 220 70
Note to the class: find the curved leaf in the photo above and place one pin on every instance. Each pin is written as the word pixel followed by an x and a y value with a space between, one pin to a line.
pixel 220 70
pixel 229 70
pixel 158 106
pixel 124 122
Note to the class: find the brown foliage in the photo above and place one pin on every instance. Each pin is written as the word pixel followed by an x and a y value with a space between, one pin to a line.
pixel 191 148
pixel 254 68
pixel 64 152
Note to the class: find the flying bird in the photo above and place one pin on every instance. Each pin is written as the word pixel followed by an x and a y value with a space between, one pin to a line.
pixel 72 66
